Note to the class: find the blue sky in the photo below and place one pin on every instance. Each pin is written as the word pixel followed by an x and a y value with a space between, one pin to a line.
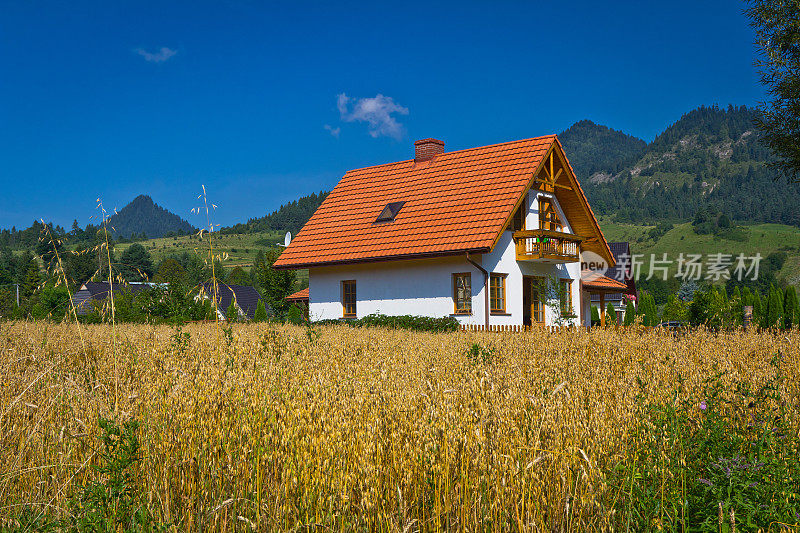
pixel 116 99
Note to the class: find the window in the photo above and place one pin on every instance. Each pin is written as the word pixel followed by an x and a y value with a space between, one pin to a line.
pixel 548 218
pixel 462 293
pixel 497 293
pixel 537 300
pixel 517 222
pixel 349 298
pixel 565 294
pixel 390 212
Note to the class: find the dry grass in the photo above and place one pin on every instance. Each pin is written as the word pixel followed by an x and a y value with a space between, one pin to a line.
pixel 357 429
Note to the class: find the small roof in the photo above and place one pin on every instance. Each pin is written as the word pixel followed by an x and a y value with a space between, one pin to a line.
pixel 246 297
pixel 598 283
pixel 301 295
pixel 454 203
pixel 99 289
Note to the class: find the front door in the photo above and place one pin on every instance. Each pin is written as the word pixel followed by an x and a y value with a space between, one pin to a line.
pixel 532 300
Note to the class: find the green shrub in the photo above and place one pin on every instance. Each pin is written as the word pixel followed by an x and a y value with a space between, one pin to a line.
pixel 411 322
pixel 295 315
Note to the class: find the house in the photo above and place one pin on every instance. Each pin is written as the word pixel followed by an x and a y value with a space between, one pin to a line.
pixel 299 297
pixel 244 298
pixel 622 271
pixel 94 293
pixel 494 236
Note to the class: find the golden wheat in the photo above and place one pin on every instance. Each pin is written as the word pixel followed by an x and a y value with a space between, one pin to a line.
pixel 276 428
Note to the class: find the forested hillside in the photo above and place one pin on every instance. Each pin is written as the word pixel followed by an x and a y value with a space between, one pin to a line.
pixel 709 159
pixel 289 217
pixel 143 217
pixel 594 149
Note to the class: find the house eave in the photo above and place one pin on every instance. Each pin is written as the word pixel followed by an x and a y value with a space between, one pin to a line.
pixel 384 258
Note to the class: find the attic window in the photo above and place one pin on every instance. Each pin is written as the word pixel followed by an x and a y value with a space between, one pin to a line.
pixel 390 212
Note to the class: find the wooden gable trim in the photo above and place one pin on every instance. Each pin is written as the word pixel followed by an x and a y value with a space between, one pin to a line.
pixel 556 150
pixel 524 194
pixel 570 173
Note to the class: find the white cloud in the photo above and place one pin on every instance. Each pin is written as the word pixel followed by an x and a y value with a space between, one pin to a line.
pixel 156 57
pixel 333 131
pixel 377 112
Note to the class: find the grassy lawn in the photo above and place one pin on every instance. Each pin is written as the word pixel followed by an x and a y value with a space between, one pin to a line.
pixel 761 238
pixel 241 249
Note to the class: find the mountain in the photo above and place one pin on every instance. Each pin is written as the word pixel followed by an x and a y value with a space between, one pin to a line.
pixel 289 217
pixel 143 216
pixel 598 150
pixel 710 159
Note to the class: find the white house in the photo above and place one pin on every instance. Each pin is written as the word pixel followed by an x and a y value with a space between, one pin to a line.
pixel 494 236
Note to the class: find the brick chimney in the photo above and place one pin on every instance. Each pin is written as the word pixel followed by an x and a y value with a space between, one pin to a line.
pixel 427 149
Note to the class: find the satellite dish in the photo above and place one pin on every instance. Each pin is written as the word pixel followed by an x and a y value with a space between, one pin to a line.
pixel 287 239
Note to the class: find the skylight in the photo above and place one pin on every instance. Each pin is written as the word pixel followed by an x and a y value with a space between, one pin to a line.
pixel 390 212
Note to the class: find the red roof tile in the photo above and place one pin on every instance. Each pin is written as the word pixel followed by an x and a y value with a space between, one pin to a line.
pixel 299 295
pixel 603 283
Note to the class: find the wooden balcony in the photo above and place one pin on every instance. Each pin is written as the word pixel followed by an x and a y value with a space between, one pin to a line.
pixel 547 246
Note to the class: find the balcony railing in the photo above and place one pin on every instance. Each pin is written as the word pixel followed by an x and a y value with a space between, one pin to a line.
pixel 546 245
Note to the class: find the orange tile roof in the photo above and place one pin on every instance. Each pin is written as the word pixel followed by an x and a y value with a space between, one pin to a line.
pixel 458 201
pixel 299 295
pixel 602 283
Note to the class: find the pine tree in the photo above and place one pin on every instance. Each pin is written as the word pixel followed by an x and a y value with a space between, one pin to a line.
pixel 737 306
pixel 232 314
pixel 32 279
pixel 261 312
pixel 758 308
pixel 774 308
pixel 652 310
pixel 630 315
pixel 747 296
pixel 791 307
pixel 611 314
pixel 595 315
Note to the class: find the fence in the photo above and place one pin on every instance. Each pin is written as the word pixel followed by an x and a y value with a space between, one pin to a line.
pixel 511 328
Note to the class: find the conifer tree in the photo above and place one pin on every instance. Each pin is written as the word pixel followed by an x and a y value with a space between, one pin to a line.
pixel 32 279
pixel 747 296
pixel 261 312
pixel 774 308
pixel 611 314
pixel 630 315
pixel 758 308
pixel 791 307
pixel 231 314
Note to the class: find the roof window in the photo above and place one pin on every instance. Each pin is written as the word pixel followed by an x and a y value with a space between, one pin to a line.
pixel 389 212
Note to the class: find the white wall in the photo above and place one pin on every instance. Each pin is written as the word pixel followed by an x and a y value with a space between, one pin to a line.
pixel 425 286
pixel 414 287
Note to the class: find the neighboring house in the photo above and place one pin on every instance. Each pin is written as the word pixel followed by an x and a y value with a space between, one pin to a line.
pixel 299 297
pixel 475 234
pixel 244 298
pixel 622 271
pixel 96 292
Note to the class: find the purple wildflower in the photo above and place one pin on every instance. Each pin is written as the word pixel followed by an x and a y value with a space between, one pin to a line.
pixel 703 405
pixel 705 481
